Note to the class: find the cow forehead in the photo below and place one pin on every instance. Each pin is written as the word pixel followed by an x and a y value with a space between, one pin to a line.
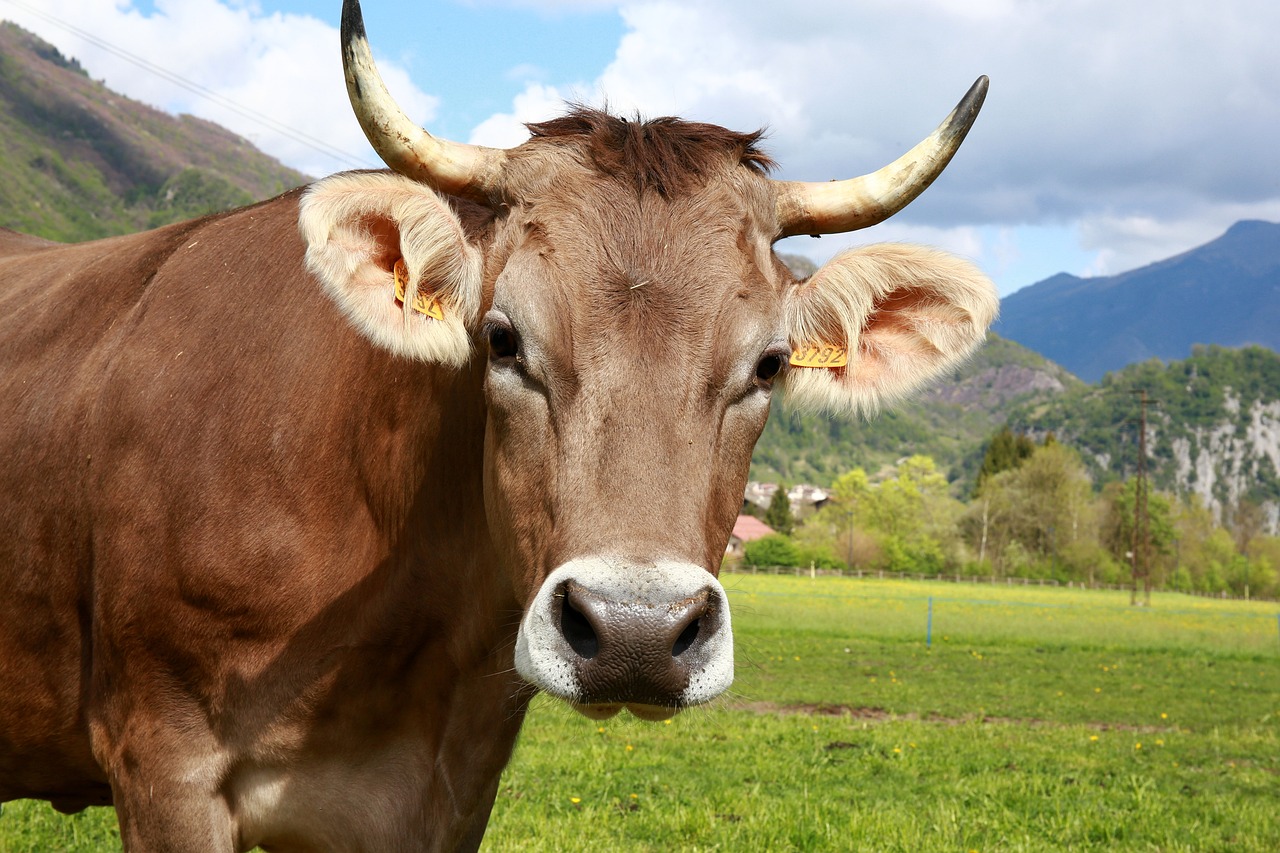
pixel 642 274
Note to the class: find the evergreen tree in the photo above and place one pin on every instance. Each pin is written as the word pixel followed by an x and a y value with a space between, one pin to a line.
pixel 1004 452
pixel 778 515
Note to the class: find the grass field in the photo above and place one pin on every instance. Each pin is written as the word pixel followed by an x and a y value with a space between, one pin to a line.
pixel 1039 719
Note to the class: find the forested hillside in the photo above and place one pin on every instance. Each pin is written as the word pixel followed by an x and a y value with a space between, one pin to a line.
pixel 78 161
pixel 1213 426
pixel 949 422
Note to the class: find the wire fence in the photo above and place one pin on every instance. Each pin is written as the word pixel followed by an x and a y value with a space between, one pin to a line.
pixel 1011 610
pixel 879 574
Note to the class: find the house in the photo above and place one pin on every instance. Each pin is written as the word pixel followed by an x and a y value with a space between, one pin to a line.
pixel 804 499
pixel 746 529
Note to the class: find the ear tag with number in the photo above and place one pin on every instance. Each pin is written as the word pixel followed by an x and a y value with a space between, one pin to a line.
pixel 820 355
pixel 422 303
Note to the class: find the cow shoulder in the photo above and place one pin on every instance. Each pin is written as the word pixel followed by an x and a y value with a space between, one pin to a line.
pixel 357 226
pixel 906 315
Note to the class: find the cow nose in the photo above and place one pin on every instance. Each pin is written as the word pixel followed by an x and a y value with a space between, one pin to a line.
pixel 633 651
pixel 604 632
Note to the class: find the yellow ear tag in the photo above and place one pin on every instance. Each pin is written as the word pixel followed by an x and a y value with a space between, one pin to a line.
pixel 422 303
pixel 820 355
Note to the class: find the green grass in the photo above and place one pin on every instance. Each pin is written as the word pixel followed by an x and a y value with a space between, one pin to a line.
pixel 1040 719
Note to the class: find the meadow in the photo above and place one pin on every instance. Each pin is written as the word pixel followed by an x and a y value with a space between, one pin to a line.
pixel 1037 719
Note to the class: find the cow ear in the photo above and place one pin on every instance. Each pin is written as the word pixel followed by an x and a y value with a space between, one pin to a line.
pixel 358 226
pixel 903 315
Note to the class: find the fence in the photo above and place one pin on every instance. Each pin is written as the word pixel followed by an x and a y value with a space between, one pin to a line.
pixel 813 571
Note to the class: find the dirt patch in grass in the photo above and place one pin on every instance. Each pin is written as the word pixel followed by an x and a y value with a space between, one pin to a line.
pixel 880 715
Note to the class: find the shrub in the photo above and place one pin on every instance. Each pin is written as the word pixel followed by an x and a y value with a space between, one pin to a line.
pixel 772 550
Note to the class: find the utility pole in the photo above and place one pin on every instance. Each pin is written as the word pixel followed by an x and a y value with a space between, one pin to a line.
pixel 1141 520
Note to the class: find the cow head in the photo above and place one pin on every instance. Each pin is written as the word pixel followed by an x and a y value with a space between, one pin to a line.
pixel 636 326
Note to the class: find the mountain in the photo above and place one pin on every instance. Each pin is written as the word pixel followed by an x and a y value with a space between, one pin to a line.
pixel 1226 292
pixel 949 422
pixel 78 161
pixel 1213 425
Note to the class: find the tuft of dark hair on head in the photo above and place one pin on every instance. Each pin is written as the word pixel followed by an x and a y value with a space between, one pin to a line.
pixel 665 155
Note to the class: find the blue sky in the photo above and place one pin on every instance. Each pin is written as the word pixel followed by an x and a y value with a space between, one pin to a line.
pixel 1115 133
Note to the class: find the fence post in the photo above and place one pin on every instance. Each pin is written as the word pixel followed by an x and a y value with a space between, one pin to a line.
pixel 928 627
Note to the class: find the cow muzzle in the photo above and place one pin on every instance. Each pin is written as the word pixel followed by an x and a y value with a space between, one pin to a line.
pixel 606 633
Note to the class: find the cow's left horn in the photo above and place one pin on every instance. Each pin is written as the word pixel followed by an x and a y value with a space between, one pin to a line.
pixel 471 171
pixel 838 206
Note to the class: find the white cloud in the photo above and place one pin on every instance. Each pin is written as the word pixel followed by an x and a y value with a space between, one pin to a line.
pixel 1101 114
pixel 281 66
pixel 506 130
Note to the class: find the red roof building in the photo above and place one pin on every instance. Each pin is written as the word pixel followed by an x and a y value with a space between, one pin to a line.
pixel 746 529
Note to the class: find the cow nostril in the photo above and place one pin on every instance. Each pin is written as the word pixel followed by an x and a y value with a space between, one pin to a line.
pixel 686 638
pixel 577 631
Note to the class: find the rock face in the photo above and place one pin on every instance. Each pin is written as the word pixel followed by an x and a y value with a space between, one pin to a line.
pixel 993 387
pixel 1213 427
pixel 1226 461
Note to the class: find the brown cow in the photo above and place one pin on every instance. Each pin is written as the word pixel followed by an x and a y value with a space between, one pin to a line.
pixel 273 538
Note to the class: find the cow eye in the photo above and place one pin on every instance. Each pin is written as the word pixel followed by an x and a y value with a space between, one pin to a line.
pixel 769 366
pixel 503 343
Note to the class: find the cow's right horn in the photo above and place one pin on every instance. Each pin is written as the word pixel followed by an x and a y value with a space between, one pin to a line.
pixel 471 171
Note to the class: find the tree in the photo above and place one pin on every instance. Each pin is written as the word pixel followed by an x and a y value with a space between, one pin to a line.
pixel 778 515
pixel 1037 518
pixel 914 515
pixel 834 529
pixel 1004 452
pixel 1117 529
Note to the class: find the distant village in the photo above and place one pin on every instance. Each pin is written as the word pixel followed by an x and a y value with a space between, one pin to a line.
pixel 805 500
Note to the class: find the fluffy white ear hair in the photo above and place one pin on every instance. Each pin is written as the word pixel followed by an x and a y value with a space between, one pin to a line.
pixel 907 314
pixel 356 225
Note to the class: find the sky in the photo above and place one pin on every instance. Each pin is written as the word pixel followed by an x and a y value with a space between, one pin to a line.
pixel 1116 133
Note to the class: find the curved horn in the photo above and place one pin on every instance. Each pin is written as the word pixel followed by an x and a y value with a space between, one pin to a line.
pixel 838 206
pixel 450 167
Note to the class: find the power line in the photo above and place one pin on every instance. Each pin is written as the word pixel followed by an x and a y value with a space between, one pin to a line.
pixel 1141 544
pixel 301 137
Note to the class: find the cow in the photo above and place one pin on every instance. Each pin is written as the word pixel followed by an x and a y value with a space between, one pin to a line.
pixel 301 503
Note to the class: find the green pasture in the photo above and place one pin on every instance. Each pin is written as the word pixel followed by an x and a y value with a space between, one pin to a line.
pixel 1038 719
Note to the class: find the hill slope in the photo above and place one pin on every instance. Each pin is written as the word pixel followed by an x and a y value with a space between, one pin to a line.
pixel 1213 429
pixel 78 161
pixel 1226 292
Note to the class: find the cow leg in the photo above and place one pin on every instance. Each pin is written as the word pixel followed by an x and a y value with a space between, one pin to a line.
pixel 167 796
pixel 159 814
pixel 470 841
